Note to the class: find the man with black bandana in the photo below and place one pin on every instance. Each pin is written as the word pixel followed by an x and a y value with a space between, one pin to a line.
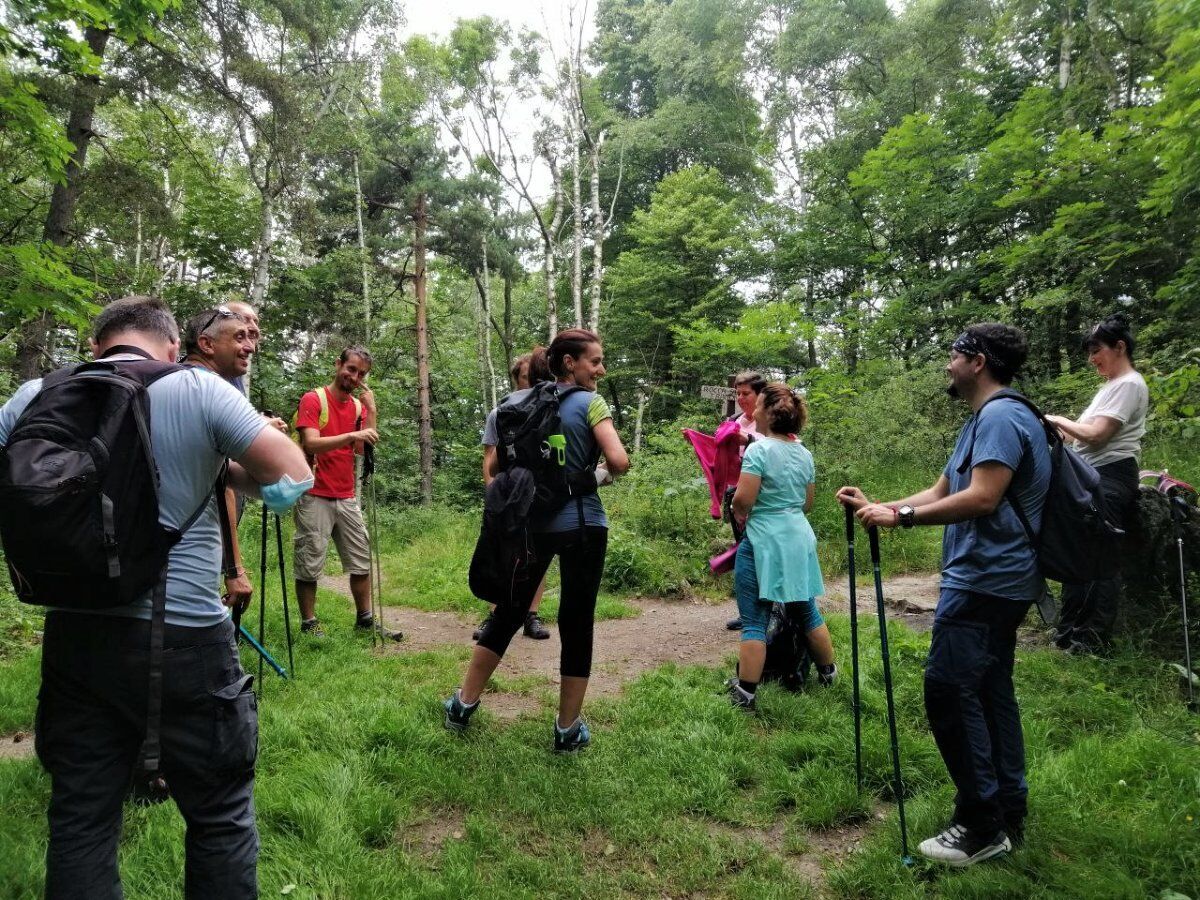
pixel 990 578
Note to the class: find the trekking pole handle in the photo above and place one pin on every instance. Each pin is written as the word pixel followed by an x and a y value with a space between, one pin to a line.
pixel 873 537
pixel 849 525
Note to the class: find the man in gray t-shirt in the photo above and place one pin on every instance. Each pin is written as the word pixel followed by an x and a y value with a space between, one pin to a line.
pixel 92 705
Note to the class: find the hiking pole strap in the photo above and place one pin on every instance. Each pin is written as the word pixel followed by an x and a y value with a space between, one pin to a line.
pixel 152 746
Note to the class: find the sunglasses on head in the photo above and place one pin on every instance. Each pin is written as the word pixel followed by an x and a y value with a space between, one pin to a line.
pixel 221 312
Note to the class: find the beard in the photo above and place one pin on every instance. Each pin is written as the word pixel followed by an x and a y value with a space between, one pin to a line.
pixel 952 390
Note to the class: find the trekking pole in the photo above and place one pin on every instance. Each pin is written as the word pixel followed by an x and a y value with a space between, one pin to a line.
pixel 1178 517
pixel 262 597
pixel 854 651
pixel 262 655
pixel 287 618
pixel 898 782
pixel 368 484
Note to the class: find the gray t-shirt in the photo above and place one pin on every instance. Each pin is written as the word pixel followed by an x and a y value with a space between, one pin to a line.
pixel 490 437
pixel 1125 399
pixel 197 419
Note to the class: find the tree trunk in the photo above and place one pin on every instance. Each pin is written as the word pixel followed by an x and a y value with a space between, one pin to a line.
pixel 262 253
pixel 597 236
pixel 508 330
pixel 36 347
pixel 643 398
pixel 550 248
pixel 810 311
pixel 362 252
pixel 486 320
pixel 1065 46
pixel 425 413
pixel 577 226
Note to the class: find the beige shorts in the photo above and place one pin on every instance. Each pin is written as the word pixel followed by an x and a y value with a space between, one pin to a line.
pixel 318 519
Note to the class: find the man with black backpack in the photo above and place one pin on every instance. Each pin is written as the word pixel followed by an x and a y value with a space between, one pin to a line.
pixel 990 498
pixel 108 517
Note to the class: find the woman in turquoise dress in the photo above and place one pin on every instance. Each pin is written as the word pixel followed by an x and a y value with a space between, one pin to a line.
pixel 777 559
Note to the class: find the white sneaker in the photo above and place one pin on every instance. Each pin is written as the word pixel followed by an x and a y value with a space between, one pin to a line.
pixel 959 847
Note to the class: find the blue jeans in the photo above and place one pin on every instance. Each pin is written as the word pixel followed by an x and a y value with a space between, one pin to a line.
pixel 756 613
pixel 972 707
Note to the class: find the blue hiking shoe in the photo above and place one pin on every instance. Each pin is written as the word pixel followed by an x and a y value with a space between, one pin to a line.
pixel 458 714
pixel 573 739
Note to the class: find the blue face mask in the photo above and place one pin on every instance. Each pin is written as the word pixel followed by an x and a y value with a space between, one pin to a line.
pixel 283 494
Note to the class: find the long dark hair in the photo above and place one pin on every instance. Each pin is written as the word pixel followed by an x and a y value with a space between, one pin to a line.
pixel 572 342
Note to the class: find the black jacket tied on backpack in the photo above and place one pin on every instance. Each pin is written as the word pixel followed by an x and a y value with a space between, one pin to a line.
pixel 533 483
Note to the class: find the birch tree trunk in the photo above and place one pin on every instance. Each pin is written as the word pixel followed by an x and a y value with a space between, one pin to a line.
pixel 1065 46
pixel 485 297
pixel 577 223
pixel 550 249
pixel 643 398
pixel 362 252
pixel 425 413
pixel 262 253
pixel 36 340
pixel 597 236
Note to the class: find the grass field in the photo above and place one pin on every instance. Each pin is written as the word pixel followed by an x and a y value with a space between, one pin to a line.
pixel 362 794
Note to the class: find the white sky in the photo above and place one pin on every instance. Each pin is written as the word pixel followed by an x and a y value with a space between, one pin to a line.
pixel 546 16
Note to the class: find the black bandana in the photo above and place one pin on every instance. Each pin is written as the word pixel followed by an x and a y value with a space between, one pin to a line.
pixel 974 345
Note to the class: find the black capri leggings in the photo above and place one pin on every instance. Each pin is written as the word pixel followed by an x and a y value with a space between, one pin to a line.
pixel 581 561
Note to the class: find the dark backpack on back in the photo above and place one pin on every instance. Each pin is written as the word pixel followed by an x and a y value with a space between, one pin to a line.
pixel 788 660
pixel 1077 543
pixel 79 489
pixel 533 479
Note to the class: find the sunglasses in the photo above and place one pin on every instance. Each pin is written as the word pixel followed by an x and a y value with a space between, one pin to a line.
pixel 221 312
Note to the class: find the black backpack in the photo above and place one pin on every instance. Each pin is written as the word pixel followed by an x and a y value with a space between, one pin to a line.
pixel 532 479
pixel 79 489
pixel 788 660
pixel 1077 543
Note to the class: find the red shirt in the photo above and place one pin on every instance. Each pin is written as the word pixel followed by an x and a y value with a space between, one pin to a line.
pixel 335 469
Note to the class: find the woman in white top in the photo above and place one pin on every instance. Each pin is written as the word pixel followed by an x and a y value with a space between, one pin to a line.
pixel 1108 435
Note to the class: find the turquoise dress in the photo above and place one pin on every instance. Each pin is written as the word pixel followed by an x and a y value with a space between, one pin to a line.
pixel 785 546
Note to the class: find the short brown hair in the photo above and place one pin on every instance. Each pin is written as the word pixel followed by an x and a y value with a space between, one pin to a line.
pixel 786 410
pixel 355 350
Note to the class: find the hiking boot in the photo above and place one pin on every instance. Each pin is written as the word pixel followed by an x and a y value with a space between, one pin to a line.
pixel 826 678
pixel 367 623
pixel 573 739
pixel 312 627
pixel 740 698
pixel 734 624
pixel 458 714
pixel 534 627
pixel 959 847
pixel 478 632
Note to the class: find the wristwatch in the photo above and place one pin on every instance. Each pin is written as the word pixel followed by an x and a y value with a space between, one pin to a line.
pixel 908 516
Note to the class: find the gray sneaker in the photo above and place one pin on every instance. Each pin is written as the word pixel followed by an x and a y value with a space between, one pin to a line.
pixel 458 714
pixel 740 699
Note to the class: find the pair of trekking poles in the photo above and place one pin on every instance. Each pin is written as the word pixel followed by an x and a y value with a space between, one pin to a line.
pixel 258 644
pixel 897 779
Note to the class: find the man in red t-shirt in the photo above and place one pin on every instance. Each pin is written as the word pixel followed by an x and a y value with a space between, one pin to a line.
pixel 331 508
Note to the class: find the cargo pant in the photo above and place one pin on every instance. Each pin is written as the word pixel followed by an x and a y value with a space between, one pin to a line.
pixel 90 722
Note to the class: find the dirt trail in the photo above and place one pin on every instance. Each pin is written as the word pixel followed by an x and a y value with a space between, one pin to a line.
pixel 685 632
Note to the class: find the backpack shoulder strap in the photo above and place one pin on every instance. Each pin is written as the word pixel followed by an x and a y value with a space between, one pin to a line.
pixel 323 399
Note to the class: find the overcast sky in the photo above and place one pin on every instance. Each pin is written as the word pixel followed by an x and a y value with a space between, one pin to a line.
pixel 546 16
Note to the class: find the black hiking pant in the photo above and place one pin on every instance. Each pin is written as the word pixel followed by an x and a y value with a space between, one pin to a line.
pixel 972 708
pixel 91 720
pixel 580 555
pixel 1089 611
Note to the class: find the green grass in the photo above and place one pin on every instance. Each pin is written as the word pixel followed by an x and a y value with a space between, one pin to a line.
pixel 361 793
